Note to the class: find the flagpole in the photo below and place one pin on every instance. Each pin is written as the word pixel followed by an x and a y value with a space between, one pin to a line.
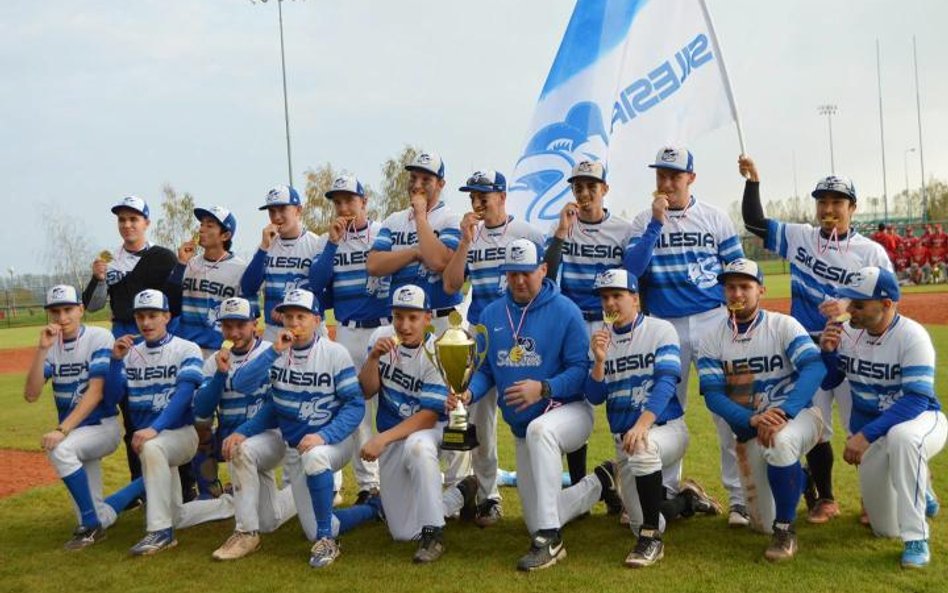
pixel 727 80
pixel 921 152
pixel 885 188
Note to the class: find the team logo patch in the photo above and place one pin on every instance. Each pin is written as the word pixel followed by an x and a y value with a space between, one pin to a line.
pixel 669 155
pixel 59 292
pixel 405 296
pixel 518 254
pixel 423 159
pixel 606 278
pixel 522 354
pixel 339 183
pixel 231 306
pixel 585 167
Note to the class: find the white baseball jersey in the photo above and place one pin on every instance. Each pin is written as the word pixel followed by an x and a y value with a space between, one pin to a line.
pixel 692 249
pixel 759 368
pixel 205 285
pixel 233 407
pixel 122 263
pixel 399 232
pixel 410 382
pixel 285 267
pixel 71 363
pixel 591 248
pixel 819 266
pixel 881 369
pixel 485 257
pixel 153 373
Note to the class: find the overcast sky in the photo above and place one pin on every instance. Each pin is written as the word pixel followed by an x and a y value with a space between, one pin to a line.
pixel 106 98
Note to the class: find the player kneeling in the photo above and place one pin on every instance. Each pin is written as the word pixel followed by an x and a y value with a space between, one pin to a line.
pixel 159 377
pixel 897 424
pixel 76 358
pixel 636 369
pixel 410 420
pixel 314 399
pixel 759 371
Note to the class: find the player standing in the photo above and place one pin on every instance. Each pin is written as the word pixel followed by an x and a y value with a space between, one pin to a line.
pixel 822 258
pixel 680 284
pixel 759 371
pixel 897 425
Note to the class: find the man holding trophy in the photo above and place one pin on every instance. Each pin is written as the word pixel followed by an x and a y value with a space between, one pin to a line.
pixel 537 358
pixel 410 420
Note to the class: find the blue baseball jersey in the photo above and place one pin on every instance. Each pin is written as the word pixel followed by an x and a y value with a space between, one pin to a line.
pixel 284 266
pixel 590 249
pixel 485 257
pixel 341 269
pixel 156 374
pixel 399 232
pixel 692 249
pixel 410 382
pixel 818 266
pixel 205 285
pixel 72 363
pixel 217 392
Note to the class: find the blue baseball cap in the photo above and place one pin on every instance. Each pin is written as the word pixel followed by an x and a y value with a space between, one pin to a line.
pixel 282 195
pixel 485 181
pixel 616 278
pixel 410 297
pixel 150 300
pixel 523 255
pixel 676 158
pixel 871 283
pixel 223 216
pixel 837 184
pixel 742 267
pixel 591 169
pixel 62 294
pixel 427 162
pixel 348 184
pixel 132 203
pixel 236 308
pixel 300 298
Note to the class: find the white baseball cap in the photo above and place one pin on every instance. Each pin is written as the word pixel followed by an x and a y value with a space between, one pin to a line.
pixel 235 308
pixel 62 294
pixel 616 278
pixel 132 203
pixel 282 195
pixel 346 184
pixel 871 283
pixel 676 158
pixel 742 267
pixel 523 255
pixel 410 297
pixel 592 169
pixel 301 299
pixel 150 300
pixel 428 162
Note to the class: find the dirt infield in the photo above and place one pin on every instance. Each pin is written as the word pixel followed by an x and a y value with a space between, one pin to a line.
pixel 16 360
pixel 22 470
pixel 928 308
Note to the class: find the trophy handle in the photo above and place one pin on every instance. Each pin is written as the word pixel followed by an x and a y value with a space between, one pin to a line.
pixel 480 355
pixel 431 354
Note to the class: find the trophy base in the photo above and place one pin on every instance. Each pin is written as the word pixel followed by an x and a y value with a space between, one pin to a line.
pixel 455 439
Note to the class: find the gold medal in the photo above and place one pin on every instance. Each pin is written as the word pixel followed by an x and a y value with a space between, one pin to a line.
pixel 196 237
pixel 106 255
pixel 610 317
pixel 843 318
pixel 735 306
pixel 516 353
pixel 227 345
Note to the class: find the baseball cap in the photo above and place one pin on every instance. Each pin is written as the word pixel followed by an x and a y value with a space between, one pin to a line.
pixel 616 278
pixel 235 308
pixel 835 183
pixel 742 267
pixel 150 300
pixel 300 299
pixel 592 169
pixel 346 184
pixel 676 158
pixel 871 283
pixel 223 216
pixel 428 162
pixel 410 297
pixel 485 181
pixel 132 203
pixel 281 195
pixel 523 255
pixel 62 294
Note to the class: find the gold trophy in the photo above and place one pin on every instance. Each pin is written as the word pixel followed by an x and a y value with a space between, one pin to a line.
pixel 456 356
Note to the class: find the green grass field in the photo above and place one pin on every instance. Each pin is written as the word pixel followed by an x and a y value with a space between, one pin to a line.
pixel 702 554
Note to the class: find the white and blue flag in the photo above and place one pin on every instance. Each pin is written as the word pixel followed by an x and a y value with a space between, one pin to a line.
pixel 630 76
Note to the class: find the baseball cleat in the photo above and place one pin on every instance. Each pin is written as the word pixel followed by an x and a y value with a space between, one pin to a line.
pixel 323 553
pixel 430 545
pixel 648 550
pixel 915 554
pixel 468 488
pixel 932 506
pixel 824 510
pixel 238 545
pixel 83 537
pixel 698 498
pixel 738 516
pixel 783 544
pixel 154 542
pixel 606 472
pixel 363 496
pixel 546 549
pixel 489 513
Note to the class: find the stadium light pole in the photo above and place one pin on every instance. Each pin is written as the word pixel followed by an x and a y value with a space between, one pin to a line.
pixel 921 150
pixel 908 196
pixel 829 111
pixel 11 271
pixel 286 106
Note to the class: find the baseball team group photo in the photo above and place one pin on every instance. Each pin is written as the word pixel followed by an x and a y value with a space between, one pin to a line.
pixel 611 356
